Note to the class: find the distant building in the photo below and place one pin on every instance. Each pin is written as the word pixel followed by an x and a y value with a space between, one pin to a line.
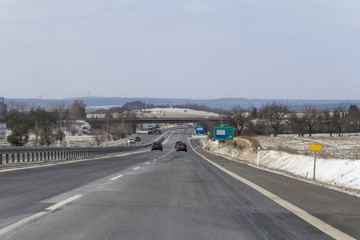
pixel 3 107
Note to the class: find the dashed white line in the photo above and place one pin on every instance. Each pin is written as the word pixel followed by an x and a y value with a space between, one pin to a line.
pixel 114 178
pixel 136 168
pixel 155 160
pixel 37 215
pixel 62 203
pixel 147 163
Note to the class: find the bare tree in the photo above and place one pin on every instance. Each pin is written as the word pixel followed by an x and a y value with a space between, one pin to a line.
pixel 77 110
pixel 238 118
pixel 298 124
pixel 339 118
pixel 275 115
pixel 311 116
pixel 354 117
pixel 327 118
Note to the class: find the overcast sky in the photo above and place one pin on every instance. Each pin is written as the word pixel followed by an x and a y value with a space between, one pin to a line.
pixel 305 49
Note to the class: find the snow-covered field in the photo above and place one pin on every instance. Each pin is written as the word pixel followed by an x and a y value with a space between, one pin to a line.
pixel 338 166
pixel 174 113
pixel 164 113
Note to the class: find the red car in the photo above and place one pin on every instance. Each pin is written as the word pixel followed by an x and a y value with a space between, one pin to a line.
pixel 177 143
pixel 181 147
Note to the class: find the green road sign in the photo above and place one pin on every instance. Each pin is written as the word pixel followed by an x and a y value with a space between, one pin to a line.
pixel 223 133
pixel 224 125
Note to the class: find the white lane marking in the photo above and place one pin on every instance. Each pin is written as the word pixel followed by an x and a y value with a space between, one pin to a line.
pixel 319 224
pixel 114 178
pixel 147 163
pixel 24 221
pixel 136 168
pixel 20 223
pixel 62 203
pixel 167 139
pixel 154 160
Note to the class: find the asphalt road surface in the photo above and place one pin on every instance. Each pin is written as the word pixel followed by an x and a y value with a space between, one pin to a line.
pixel 165 195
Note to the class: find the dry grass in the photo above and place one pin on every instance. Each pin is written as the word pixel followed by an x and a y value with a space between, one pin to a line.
pixel 286 149
pixel 254 142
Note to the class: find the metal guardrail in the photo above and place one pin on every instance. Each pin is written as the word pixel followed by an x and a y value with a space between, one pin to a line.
pixel 18 155
pixel 40 154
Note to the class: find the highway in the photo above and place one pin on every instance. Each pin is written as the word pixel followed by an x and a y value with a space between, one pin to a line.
pixel 168 195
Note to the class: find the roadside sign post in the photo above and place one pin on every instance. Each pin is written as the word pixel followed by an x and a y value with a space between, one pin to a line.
pixel 315 148
pixel 258 156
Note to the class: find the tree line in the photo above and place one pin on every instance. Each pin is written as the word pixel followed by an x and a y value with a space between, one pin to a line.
pixel 45 125
pixel 274 118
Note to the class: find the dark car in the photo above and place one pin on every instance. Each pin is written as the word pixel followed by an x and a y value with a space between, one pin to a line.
pixel 156 146
pixel 178 142
pixel 181 147
pixel 137 139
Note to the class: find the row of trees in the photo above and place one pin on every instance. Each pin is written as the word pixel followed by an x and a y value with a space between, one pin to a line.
pixel 273 118
pixel 45 125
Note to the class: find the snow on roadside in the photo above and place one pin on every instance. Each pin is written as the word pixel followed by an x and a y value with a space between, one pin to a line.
pixel 340 173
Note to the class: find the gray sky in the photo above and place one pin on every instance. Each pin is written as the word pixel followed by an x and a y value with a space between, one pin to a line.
pixel 305 49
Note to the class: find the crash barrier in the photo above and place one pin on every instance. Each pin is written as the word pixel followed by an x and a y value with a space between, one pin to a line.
pixel 18 155
pixel 37 154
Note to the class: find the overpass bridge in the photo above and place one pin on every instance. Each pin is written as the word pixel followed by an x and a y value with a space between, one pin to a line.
pixel 155 120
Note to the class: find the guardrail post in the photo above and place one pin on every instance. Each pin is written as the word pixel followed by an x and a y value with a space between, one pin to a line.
pixel 1 159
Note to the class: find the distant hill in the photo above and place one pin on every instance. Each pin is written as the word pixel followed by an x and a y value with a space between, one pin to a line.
pixel 223 103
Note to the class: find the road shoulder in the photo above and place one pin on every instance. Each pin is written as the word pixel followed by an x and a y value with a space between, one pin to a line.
pixel 337 209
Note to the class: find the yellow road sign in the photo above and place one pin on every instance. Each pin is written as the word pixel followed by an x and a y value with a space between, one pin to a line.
pixel 316 147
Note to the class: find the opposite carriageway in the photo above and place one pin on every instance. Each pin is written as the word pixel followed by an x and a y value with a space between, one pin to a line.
pixel 18 155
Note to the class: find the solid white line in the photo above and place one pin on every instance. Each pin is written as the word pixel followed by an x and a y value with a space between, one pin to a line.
pixel 136 168
pixel 62 203
pixel 147 163
pixel 20 223
pixel 114 178
pixel 319 224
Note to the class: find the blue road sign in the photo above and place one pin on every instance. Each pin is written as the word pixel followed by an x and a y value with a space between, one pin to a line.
pixel 200 130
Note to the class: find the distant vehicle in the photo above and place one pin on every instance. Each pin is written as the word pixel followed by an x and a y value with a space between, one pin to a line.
pixel 137 139
pixel 131 140
pixel 156 146
pixel 181 147
pixel 178 142
pixel 150 131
